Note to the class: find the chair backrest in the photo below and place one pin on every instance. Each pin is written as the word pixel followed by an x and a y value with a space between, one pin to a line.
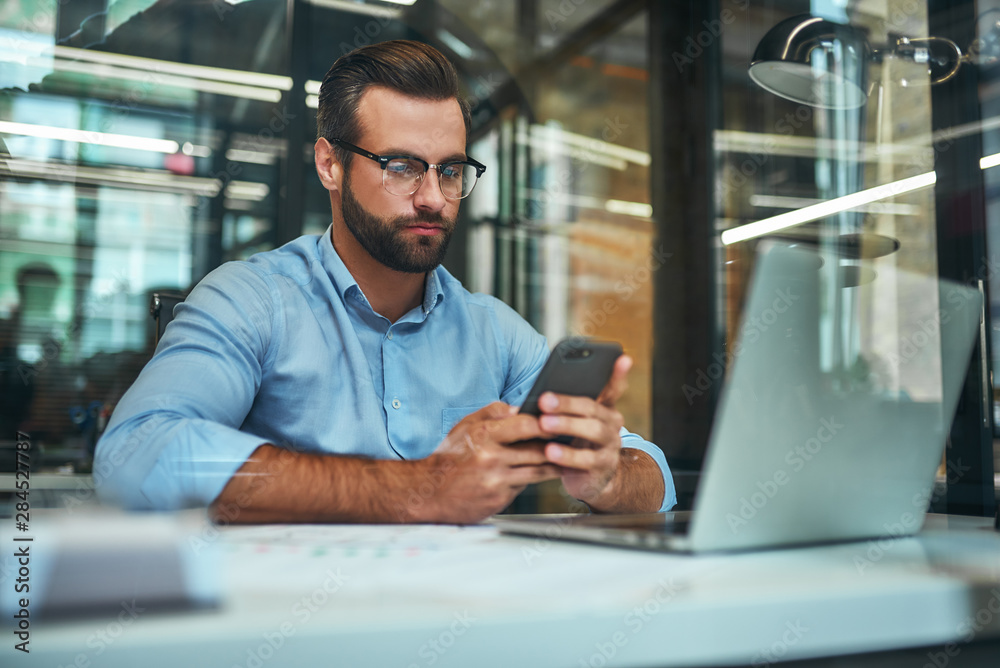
pixel 161 308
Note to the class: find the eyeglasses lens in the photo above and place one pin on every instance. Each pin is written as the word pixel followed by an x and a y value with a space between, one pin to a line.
pixel 403 177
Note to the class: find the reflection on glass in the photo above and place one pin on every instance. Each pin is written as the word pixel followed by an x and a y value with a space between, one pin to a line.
pixel 128 140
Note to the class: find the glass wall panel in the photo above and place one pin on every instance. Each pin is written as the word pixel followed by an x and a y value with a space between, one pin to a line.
pixel 141 147
pixel 854 150
pixel 145 142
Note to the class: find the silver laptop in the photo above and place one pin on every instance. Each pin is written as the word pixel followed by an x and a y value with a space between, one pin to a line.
pixel 833 418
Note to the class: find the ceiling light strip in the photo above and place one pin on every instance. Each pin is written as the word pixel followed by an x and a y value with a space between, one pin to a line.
pixel 362 8
pixel 155 77
pixel 90 137
pixel 989 161
pixel 827 208
pixel 591 144
pixel 134 179
pixel 783 202
pixel 180 69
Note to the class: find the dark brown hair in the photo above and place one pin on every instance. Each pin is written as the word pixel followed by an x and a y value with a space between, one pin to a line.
pixel 408 67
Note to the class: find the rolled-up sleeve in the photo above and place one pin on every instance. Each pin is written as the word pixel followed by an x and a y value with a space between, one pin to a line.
pixel 630 440
pixel 174 438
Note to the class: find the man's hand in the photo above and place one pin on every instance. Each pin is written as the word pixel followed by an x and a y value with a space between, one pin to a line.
pixel 477 473
pixel 593 468
pixel 483 463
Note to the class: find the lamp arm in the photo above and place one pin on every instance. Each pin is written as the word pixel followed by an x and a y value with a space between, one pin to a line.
pixel 936 52
pixel 954 56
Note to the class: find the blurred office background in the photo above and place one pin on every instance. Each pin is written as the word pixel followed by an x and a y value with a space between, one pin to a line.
pixel 146 142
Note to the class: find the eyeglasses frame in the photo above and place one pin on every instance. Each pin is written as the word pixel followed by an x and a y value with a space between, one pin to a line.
pixel 383 161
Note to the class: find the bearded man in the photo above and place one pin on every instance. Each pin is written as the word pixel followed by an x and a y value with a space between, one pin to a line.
pixel 347 376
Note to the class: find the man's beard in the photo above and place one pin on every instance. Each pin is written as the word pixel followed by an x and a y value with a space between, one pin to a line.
pixel 385 241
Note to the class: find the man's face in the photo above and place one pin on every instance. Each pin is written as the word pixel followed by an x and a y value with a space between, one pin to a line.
pixel 393 241
pixel 404 233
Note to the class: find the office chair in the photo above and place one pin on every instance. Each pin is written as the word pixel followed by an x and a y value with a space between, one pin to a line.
pixel 161 308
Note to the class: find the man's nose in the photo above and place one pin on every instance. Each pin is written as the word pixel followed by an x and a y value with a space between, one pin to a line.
pixel 429 196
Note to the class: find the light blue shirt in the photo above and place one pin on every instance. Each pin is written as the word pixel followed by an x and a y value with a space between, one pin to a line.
pixel 285 349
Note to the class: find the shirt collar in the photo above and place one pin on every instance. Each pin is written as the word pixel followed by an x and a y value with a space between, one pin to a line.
pixel 433 290
pixel 347 287
pixel 342 279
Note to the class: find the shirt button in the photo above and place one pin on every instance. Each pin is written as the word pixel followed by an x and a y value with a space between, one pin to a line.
pixel 396 403
pixel 389 335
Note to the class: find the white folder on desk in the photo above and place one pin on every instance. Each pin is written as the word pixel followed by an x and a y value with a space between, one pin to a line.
pixel 833 418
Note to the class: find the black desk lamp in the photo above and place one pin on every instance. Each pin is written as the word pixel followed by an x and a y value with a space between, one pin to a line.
pixel 824 64
pixel 814 61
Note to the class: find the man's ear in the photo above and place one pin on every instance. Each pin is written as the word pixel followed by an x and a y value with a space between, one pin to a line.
pixel 328 166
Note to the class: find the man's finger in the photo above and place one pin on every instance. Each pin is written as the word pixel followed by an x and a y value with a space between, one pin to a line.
pixel 589 429
pixel 493 411
pixel 616 387
pixel 526 475
pixel 583 459
pixel 516 428
pixel 528 453
pixel 567 404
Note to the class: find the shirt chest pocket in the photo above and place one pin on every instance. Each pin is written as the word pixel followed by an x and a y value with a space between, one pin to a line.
pixel 452 416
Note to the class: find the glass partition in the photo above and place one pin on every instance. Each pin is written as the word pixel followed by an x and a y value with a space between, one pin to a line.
pixel 839 137
pixel 634 161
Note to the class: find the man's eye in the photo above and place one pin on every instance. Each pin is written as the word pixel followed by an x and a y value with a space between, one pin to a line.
pixel 451 172
pixel 398 167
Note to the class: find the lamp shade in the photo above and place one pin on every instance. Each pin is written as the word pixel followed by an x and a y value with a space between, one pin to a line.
pixel 814 61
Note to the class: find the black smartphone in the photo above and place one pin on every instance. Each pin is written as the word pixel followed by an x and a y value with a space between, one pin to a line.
pixel 576 366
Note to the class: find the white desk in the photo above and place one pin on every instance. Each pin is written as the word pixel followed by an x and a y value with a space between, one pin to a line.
pixel 444 596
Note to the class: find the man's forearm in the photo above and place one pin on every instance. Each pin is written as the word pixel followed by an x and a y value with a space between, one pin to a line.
pixel 636 488
pixel 279 485
pixel 471 475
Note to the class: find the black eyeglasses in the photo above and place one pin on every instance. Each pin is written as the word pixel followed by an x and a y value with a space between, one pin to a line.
pixel 403 174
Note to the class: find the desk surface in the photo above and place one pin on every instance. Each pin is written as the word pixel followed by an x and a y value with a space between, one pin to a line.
pixel 449 596
pixel 49 481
